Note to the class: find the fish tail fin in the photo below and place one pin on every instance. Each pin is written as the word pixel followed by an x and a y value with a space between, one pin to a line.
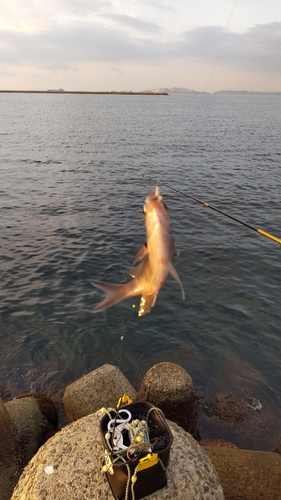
pixel 175 275
pixel 114 294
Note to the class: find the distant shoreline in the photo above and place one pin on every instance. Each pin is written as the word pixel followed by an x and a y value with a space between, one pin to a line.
pixel 246 92
pixel 145 92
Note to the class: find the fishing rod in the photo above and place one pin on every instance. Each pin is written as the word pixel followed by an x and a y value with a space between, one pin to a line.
pixel 260 231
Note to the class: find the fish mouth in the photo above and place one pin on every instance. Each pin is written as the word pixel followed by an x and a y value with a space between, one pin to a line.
pixel 150 198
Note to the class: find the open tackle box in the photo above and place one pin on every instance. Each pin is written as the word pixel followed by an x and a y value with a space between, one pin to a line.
pixel 137 442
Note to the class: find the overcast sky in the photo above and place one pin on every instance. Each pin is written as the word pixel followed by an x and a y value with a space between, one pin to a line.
pixel 204 45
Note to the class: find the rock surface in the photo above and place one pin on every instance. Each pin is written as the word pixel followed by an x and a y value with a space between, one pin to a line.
pixel 23 429
pixel 245 425
pixel 8 467
pixel 169 387
pixel 217 442
pixel 229 408
pixel 101 387
pixel 68 467
pixel 31 427
pixel 278 449
pixel 247 475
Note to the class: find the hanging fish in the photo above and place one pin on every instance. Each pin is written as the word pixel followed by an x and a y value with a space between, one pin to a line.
pixel 155 258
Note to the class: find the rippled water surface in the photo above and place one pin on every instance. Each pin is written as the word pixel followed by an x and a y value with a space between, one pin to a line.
pixel 74 172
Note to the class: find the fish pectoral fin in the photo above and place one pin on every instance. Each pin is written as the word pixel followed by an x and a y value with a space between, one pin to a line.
pixel 141 254
pixel 135 272
pixel 131 271
pixel 175 275
pixel 146 303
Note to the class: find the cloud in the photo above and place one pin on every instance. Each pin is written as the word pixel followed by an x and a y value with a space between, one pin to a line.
pixel 74 7
pixel 73 43
pixel 161 6
pixel 133 22
pixel 67 44
pixel 259 48
pixel 117 71
pixel 30 16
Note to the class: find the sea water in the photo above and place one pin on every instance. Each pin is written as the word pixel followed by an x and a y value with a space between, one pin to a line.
pixel 74 173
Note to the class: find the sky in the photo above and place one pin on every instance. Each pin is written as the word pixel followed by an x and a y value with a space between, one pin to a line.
pixel 100 45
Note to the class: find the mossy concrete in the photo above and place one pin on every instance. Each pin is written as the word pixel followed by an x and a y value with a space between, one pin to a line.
pixel 247 474
pixel 101 387
pixel 169 387
pixel 23 429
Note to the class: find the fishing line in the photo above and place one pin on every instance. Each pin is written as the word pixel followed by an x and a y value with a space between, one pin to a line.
pixel 124 323
pixel 260 231
pixel 220 48
pixel 125 328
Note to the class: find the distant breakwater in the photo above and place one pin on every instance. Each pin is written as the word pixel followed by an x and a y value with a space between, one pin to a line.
pixel 109 92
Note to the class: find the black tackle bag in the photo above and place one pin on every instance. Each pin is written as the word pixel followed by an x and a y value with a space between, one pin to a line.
pixel 134 477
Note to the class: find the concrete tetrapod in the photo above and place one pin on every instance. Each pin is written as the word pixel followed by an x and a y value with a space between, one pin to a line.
pixel 68 467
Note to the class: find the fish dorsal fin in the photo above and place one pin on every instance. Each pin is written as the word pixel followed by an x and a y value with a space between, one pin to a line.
pixel 135 272
pixel 146 303
pixel 175 275
pixel 141 254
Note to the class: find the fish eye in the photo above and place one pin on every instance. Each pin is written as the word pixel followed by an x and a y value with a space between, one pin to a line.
pixel 144 209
